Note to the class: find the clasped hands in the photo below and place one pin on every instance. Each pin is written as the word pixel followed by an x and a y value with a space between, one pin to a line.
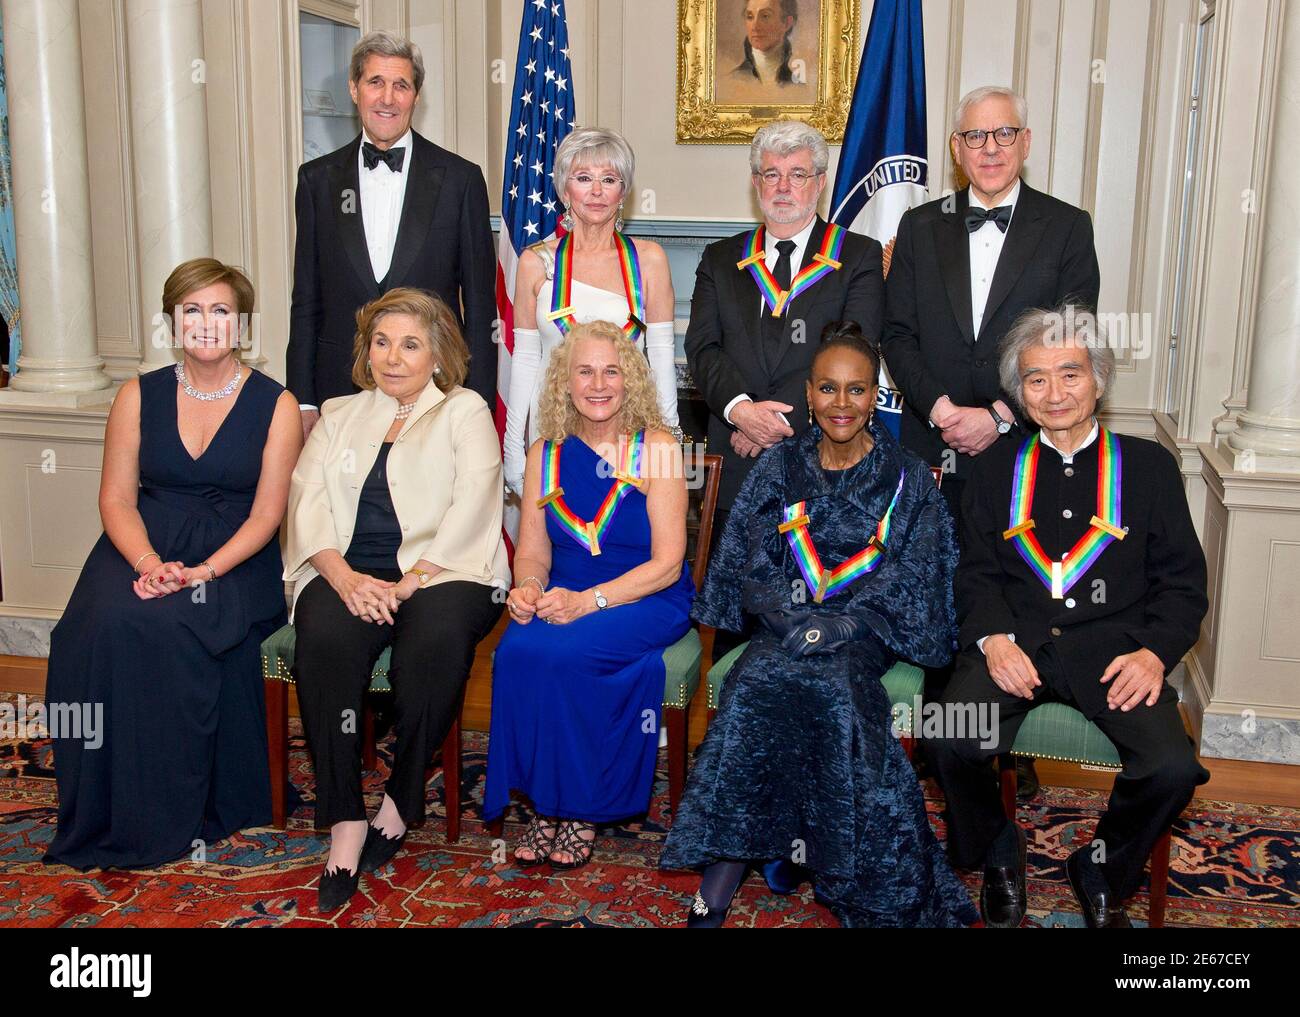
pixel 968 429
pixel 758 426
pixel 167 577
pixel 374 600
pixel 1140 674
pixel 804 634
pixel 556 606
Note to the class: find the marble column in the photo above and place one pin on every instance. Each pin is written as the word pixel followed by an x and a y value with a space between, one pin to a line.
pixel 169 152
pixel 1267 435
pixel 59 363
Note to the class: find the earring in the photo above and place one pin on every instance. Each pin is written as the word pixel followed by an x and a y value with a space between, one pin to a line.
pixel 437 369
pixel 566 220
pixel 618 222
pixel 810 416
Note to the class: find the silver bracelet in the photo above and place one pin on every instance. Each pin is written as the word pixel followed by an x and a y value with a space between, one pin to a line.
pixel 541 589
pixel 212 573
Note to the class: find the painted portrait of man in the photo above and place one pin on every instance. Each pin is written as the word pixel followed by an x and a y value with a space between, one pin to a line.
pixel 766 51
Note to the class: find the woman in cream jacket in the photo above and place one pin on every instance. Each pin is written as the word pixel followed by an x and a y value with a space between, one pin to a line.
pixel 394 539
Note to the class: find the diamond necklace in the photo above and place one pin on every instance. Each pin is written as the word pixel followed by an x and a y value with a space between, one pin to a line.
pixel 207 397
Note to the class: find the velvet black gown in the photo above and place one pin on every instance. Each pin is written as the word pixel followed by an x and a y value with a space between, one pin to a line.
pixel 800 760
pixel 178 679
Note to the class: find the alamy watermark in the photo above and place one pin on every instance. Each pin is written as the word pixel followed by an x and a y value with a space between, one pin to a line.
pixel 29 721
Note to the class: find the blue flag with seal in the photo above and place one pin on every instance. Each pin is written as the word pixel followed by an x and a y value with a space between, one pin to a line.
pixel 883 170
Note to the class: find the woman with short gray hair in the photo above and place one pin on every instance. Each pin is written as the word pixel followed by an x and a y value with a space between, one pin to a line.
pixel 592 273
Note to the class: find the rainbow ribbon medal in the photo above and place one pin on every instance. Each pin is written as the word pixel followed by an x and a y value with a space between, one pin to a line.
pixel 633 286
pixel 627 476
pixel 1060 576
pixel 828 583
pixel 823 263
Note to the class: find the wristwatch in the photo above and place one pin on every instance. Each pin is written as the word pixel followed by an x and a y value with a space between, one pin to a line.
pixel 601 601
pixel 1003 425
pixel 422 576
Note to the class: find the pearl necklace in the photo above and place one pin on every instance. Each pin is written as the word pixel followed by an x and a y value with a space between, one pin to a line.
pixel 404 410
pixel 207 397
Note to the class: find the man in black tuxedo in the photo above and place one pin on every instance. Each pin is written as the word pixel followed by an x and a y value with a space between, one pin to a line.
pixel 963 268
pixel 388 209
pixel 1102 641
pixel 749 364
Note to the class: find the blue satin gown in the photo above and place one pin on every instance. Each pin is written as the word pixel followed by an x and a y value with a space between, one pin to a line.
pixel 576 707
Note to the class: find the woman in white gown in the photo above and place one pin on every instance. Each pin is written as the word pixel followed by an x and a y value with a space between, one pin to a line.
pixel 600 275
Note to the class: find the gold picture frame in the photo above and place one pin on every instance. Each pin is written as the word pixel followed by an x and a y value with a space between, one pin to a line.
pixel 719 104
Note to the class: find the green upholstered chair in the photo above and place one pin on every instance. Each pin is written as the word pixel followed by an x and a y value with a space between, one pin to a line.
pixel 903 683
pixel 1060 732
pixel 277 672
pixel 682 659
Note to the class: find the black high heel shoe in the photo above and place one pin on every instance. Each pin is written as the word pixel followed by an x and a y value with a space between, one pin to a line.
pixel 379 849
pixel 336 888
pixel 701 916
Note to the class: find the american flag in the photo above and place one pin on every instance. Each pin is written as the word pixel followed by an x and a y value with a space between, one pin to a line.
pixel 541 115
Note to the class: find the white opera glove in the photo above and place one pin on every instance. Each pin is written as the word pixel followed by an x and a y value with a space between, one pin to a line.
pixel 660 350
pixel 525 367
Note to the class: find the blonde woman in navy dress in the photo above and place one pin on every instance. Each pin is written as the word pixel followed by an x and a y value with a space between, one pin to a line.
pixel 578 676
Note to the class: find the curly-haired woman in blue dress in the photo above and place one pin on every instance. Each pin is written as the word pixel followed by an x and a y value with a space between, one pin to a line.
pixel 841 545
pixel 600 590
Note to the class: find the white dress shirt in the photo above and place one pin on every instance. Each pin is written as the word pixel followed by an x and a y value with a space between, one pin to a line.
pixel 382 194
pixel 1068 459
pixel 771 255
pixel 985 249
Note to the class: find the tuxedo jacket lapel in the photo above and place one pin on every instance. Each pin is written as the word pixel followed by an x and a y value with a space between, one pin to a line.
pixel 952 244
pixel 1023 235
pixel 748 301
pixel 345 196
pixel 417 208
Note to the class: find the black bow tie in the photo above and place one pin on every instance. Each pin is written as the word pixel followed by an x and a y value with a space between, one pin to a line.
pixel 977 217
pixel 393 158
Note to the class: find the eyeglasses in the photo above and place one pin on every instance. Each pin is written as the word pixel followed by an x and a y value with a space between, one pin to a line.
pixel 798 178
pixel 607 181
pixel 1004 136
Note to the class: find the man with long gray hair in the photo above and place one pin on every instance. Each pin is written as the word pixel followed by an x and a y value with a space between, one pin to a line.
pixel 1082 582
pixel 388 209
pixel 761 301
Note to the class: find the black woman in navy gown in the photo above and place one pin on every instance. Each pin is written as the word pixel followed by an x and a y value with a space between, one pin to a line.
pixel 162 631
pixel 842 546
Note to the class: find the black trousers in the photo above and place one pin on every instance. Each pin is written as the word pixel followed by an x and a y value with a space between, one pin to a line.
pixel 1159 777
pixel 433 638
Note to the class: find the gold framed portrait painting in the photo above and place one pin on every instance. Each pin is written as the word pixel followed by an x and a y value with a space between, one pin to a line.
pixel 744 63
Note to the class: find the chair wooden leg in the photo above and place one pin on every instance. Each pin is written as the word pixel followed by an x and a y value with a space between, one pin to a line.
pixel 709 719
pixel 1159 880
pixel 1007 776
pixel 676 721
pixel 497 825
pixel 369 759
pixel 909 745
pixel 451 780
pixel 277 749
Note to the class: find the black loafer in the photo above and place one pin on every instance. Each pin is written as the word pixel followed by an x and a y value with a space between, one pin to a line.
pixel 1101 908
pixel 379 849
pixel 336 888
pixel 1003 898
pixel 1026 778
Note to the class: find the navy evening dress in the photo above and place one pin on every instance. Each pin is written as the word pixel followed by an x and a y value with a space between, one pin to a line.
pixel 576 707
pixel 183 754
pixel 800 761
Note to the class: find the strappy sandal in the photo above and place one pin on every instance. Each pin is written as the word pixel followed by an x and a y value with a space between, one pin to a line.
pixel 537 841
pixel 570 841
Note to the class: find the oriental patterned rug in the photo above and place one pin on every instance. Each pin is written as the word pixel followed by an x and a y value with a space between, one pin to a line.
pixel 1232 865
